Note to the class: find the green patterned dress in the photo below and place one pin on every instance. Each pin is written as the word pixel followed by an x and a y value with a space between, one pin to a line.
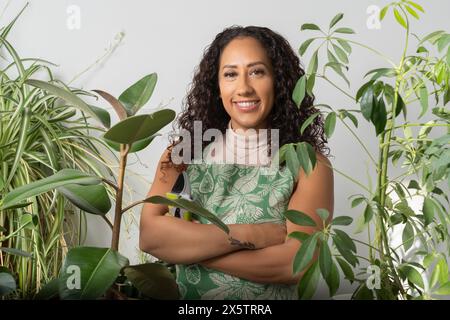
pixel 236 193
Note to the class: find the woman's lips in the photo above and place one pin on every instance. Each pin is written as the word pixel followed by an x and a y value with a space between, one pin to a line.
pixel 247 106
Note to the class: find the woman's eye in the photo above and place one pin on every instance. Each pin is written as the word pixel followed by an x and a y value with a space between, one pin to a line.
pixel 258 71
pixel 229 74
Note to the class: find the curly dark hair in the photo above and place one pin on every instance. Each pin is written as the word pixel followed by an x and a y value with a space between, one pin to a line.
pixel 203 102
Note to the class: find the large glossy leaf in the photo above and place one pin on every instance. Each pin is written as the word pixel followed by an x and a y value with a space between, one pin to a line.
pixel 379 116
pixel 292 161
pixel 61 178
pixel 412 275
pixel 305 253
pixel 367 102
pixel 299 218
pixel 153 280
pixel 136 146
pixel 88 272
pixel 330 124
pixel 346 269
pixel 93 199
pixel 139 127
pixel 346 240
pixel 118 107
pixel 7 283
pixel 138 94
pixel 49 291
pixel 192 207
pixel 308 283
pixel 72 99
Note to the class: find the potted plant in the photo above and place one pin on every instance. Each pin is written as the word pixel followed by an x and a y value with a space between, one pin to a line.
pixel 420 77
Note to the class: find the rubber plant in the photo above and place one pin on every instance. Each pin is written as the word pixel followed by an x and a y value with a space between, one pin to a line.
pixel 418 82
pixel 88 272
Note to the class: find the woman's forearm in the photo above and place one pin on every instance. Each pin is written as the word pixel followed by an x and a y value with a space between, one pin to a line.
pixel 269 265
pixel 178 241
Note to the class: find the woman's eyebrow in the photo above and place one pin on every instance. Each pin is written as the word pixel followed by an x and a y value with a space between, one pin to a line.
pixel 248 66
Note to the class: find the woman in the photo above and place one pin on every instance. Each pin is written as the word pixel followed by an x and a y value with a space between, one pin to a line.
pixel 244 83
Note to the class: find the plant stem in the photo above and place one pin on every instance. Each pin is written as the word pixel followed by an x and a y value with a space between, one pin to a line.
pixel 124 148
pixel 133 205
pixel 112 184
pixel 336 86
pixel 359 140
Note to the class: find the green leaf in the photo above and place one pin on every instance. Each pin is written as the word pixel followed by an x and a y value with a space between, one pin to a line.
pixel 363 89
pixel 340 53
pixel 137 95
pixel 305 253
pixel 346 114
pixel 423 100
pixel 7 283
pixel 310 84
pixel 363 293
pixel 304 46
pixel 93 199
pixel 399 18
pixel 308 283
pixel 400 106
pixel 444 289
pixel 412 12
pixel 344 251
pixel 16 252
pixel 379 116
pixel 49 291
pixel 299 91
pixel 139 127
pixel 192 207
pixel 116 104
pixel 61 178
pixel 443 266
pixel 336 19
pixel 88 272
pixel 344 30
pixel 23 137
pixel 413 275
pixel 408 236
pixel 333 279
pixel 325 260
pixel 292 161
pixel 435 275
pixel 346 269
pixel 330 124
pixel 337 67
pixel 416 5
pixel 346 240
pixel 367 103
pixel 73 100
pixel 383 12
pixel 433 36
pixel 306 156
pixel 368 214
pixel 313 63
pixel 344 44
pixel 357 201
pixel 309 26
pixel 323 213
pixel 308 121
pixel 299 218
pixel 342 221
pixel 448 62
pixel 136 146
pixel 300 236
pixel 428 210
pixel 153 280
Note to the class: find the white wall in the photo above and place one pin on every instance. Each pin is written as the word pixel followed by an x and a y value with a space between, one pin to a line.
pixel 168 37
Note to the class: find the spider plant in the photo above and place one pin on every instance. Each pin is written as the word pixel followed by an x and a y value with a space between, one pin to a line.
pixel 40 134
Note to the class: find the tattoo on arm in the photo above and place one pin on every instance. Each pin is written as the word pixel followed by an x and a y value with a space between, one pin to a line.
pixel 243 245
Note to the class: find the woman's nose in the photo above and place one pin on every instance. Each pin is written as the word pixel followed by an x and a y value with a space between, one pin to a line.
pixel 244 87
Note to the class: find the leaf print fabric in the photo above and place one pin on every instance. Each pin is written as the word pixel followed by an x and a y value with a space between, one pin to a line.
pixel 237 194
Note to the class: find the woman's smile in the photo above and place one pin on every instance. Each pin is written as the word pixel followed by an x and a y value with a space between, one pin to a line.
pixel 247 106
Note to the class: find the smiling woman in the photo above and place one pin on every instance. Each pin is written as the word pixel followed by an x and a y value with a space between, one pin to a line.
pixel 243 86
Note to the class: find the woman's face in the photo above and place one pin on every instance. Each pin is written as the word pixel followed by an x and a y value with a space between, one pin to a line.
pixel 246 83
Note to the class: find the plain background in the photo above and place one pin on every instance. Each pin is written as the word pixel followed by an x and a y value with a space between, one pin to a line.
pixel 168 37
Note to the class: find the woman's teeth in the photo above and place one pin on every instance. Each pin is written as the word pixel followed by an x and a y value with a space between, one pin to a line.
pixel 247 104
